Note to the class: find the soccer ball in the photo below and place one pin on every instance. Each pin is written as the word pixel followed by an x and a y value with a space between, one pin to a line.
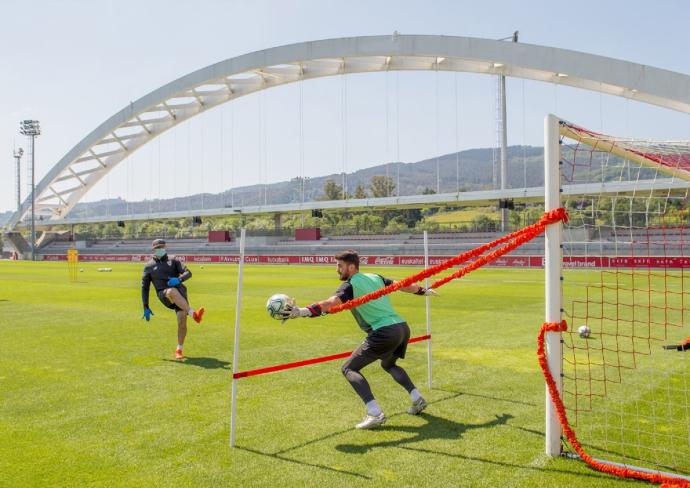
pixel 584 331
pixel 277 304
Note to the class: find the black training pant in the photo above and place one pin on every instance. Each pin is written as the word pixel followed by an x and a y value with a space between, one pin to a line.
pixel 387 344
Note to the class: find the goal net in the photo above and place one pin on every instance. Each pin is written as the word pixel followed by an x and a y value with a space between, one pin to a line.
pixel 625 268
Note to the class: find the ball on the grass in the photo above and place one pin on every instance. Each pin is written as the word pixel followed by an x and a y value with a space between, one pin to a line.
pixel 81 270
pixel 277 303
pixel 584 331
pixel 202 267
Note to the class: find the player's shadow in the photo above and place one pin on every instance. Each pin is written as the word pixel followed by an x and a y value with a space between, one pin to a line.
pixel 202 362
pixel 435 428
pixel 439 428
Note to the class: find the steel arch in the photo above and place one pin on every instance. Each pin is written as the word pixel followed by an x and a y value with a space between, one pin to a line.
pixel 148 117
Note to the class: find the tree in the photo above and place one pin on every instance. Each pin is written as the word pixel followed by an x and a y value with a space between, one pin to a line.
pixel 360 192
pixel 515 217
pixel 381 186
pixel 484 223
pixel 409 216
pixel 332 191
pixel 395 225
pixel 366 222
pixel 427 225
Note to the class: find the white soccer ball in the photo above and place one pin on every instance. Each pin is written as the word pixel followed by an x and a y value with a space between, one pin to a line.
pixel 81 270
pixel 584 331
pixel 277 304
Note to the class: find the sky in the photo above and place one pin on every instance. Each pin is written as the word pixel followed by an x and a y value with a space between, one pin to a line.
pixel 72 64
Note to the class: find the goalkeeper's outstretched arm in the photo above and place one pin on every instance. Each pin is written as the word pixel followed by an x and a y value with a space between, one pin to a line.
pixel 314 310
pixel 320 308
pixel 418 290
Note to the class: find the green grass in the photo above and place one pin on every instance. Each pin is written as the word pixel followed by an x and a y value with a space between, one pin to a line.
pixel 89 394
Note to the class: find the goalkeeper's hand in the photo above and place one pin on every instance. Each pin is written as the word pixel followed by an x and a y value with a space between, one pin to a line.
pixel 429 292
pixel 147 314
pixel 295 312
pixel 174 281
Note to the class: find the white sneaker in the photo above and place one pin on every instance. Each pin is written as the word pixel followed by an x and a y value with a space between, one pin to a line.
pixel 371 421
pixel 417 406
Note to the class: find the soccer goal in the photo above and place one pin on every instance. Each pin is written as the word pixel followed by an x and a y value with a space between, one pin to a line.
pixel 616 270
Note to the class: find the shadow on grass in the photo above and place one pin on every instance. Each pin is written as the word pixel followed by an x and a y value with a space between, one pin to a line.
pixel 435 428
pixel 529 431
pixel 488 397
pixel 493 462
pixel 335 434
pixel 206 363
pixel 438 428
pixel 279 457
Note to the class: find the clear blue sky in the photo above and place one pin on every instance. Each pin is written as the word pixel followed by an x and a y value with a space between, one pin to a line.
pixel 72 64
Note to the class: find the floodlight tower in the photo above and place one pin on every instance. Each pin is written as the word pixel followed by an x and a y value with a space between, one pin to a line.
pixel 18 153
pixel 32 129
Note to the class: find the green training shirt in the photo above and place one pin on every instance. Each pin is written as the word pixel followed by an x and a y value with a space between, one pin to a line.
pixel 372 315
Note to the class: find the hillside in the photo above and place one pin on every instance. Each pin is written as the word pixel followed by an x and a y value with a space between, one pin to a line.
pixel 475 173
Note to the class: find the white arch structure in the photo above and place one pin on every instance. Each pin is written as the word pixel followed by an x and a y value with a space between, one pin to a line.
pixel 148 117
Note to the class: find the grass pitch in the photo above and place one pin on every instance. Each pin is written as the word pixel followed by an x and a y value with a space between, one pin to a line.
pixel 90 394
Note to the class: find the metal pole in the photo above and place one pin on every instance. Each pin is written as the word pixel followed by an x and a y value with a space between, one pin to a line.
pixel 18 156
pixel 19 182
pixel 504 141
pixel 428 310
pixel 504 150
pixel 236 343
pixel 552 268
pixel 33 197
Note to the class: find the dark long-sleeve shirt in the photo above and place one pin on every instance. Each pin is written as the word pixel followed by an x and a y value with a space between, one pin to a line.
pixel 158 272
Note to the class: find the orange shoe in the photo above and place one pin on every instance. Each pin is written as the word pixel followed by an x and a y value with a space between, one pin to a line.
pixel 198 315
pixel 178 354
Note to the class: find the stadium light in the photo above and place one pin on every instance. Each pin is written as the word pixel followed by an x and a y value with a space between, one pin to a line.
pixel 32 129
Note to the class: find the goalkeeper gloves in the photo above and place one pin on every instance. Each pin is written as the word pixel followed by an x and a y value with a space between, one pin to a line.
pixel 294 312
pixel 174 281
pixel 429 292
pixel 147 314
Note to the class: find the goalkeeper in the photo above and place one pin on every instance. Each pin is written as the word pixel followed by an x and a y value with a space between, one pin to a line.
pixel 167 274
pixel 387 334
